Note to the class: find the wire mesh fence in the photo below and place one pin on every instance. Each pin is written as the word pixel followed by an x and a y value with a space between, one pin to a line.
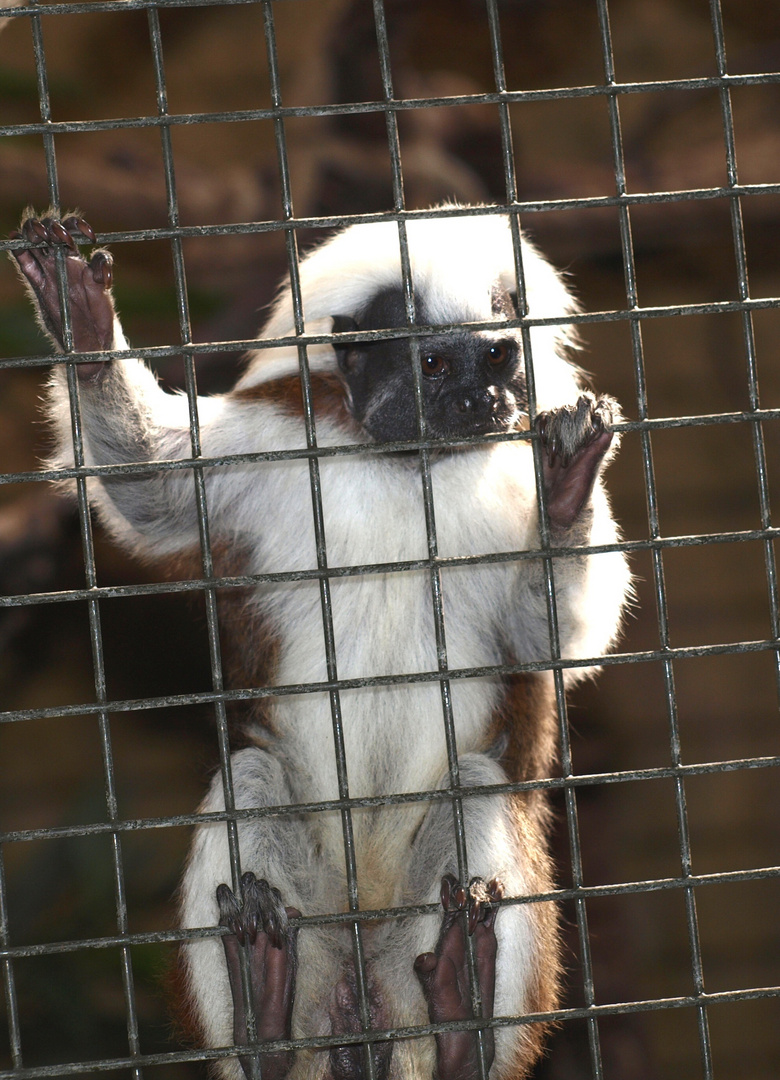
pixel 107 851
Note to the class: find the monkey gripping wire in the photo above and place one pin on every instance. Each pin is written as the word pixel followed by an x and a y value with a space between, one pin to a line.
pixel 687 882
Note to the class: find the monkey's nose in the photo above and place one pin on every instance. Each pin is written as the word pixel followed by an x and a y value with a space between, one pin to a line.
pixel 475 402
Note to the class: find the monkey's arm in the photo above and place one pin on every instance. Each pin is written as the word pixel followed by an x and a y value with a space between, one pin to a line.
pixel 590 590
pixel 126 417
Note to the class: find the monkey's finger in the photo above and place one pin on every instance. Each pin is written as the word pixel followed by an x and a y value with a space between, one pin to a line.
pixel 62 236
pixel 251 913
pixel 35 230
pixel 229 911
pixel 453 895
pixel 55 233
pixel 495 888
pixel 16 235
pixel 448 885
pixel 424 967
pixel 274 915
pixel 480 912
pixel 78 225
pixel 101 265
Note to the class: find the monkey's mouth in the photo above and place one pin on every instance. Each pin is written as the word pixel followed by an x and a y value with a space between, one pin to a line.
pixel 476 416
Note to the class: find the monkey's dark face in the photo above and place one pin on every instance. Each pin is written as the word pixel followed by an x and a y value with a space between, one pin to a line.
pixel 472 383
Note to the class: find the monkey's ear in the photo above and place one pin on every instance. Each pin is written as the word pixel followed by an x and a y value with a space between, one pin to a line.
pixel 345 354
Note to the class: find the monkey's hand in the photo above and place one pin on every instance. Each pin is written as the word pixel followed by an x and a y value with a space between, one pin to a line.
pixel 575 440
pixel 88 285
pixel 444 974
pixel 260 924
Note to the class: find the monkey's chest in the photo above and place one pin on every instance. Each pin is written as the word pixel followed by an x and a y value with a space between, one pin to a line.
pixel 390 703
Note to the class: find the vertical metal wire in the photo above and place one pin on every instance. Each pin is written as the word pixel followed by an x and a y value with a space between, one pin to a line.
pixel 655 532
pixel 93 609
pixel 9 981
pixel 567 772
pixel 435 580
pixel 740 256
pixel 391 121
pixel 207 562
pixel 321 547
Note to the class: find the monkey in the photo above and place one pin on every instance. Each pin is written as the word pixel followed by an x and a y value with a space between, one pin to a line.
pixel 436 371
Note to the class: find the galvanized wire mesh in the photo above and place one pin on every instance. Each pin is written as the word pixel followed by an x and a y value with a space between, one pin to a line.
pixel 219 697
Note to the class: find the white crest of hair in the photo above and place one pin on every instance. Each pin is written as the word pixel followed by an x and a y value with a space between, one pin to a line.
pixel 456 264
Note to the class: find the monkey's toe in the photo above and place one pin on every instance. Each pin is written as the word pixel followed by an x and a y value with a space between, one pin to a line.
pixel 445 979
pixel 260 909
pixel 260 921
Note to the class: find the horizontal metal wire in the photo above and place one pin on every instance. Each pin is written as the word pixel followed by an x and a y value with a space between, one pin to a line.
pixel 638 314
pixel 552 783
pixel 175 937
pixel 196 585
pixel 514 208
pixel 505 97
pixel 684 652
pixel 325 1042
pixel 165 465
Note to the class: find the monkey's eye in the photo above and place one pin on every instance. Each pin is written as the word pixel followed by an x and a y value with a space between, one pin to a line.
pixel 497 353
pixel 434 365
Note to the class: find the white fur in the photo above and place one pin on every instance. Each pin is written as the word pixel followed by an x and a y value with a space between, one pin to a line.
pixel 484 502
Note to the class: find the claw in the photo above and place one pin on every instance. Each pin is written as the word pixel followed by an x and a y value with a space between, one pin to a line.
pixel 38 228
pixel 76 224
pixel 484 898
pixel 250 907
pixel 496 890
pixel 274 926
pixel 448 884
pixel 61 235
pixel 102 269
pixel 553 449
pixel 229 911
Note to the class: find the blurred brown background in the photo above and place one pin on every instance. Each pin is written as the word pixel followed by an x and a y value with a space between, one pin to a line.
pixel 99 66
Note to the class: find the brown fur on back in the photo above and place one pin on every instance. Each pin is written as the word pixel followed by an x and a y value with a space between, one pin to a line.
pixel 248 643
pixel 328 397
pixel 526 718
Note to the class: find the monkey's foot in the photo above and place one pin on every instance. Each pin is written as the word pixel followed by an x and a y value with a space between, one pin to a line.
pixel 259 924
pixel 444 974
pixel 87 282
pixel 347 1062
pixel 575 439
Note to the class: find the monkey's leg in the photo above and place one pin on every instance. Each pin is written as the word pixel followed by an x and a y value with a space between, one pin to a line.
pixel 260 922
pixel 285 982
pixel 575 439
pixel 444 973
pixel 512 947
pixel 88 284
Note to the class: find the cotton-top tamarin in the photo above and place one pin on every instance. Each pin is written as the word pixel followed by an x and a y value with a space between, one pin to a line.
pixel 302 981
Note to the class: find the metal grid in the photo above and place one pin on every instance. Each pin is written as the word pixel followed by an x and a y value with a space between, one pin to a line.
pixel 115 827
